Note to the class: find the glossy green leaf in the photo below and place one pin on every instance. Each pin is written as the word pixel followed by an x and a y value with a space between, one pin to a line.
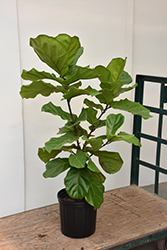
pixel 82 117
pixel 96 143
pixel 56 167
pixel 99 176
pixel 133 107
pixel 104 74
pixel 65 129
pixel 81 73
pixel 123 90
pixel 78 55
pixel 111 162
pixel 56 110
pixel 92 166
pixel 38 87
pixel 92 104
pixel 113 123
pixel 91 115
pixel 106 96
pixel 57 143
pixel 103 137
pixel 123 136
pixel 77 182
pixel 72 46
pixel 34 75
pixel 73 92
pixel 45 156
pixel 76 85
pixel 81 131
pixel 69 126
pixel 125 78
pixel 116 67
pixel 95 194
pixel 109 82
pixel 113 87
pixel 57 52
pixel 78 160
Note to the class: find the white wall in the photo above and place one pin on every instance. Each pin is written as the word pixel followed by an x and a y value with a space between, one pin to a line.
pixel 11 129
pixel 107 29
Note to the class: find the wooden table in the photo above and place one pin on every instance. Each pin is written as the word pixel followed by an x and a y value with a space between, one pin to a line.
pixel 129 216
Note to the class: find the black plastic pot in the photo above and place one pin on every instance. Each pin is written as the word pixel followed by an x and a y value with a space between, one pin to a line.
pixel 78 219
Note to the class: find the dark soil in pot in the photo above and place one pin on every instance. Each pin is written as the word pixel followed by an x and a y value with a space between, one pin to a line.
pixel 78 218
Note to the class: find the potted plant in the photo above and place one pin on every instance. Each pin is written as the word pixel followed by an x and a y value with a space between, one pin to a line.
pixel 84 179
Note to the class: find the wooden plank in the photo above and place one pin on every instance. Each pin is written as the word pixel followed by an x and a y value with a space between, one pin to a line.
pixel 128 215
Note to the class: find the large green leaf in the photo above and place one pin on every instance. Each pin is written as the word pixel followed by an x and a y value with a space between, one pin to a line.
pixel 122 90
pixel 77 182
pixel 110 82
pixel 45 156
pixel 99 176
pixel 80 130
pixel 106 96
pixel 113 123
pixel 69 126
pixel 58 143
pixel 39 87
pixel 95 194
pixel 78 160
pixel 34 75
pixel 133 107
pixel 56 167
pixel 80 73
pixel 66 129
pixel 96 143
pixel 104 74
pixel 51 108
pixel 72 46
pixel 92 104
pixel 74 91
pixel 116 67
pixel 91 115
pixel 111 162
pixel 57 52
pixel 113 87
pixel 72 65
pixel 82 117
pixel 92 166
pixel 125 78
pixel 123 136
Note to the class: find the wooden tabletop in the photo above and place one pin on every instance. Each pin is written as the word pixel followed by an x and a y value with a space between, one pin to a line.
pixel 129 216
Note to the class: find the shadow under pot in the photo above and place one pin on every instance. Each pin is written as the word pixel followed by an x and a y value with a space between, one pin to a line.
pixel 78 218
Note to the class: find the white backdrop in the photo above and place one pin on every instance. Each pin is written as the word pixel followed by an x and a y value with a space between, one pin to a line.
pixel 107 29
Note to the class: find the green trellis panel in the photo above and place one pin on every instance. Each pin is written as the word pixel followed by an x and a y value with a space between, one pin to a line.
pixel 136 161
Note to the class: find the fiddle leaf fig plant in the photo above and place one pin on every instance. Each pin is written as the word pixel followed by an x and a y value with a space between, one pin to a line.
pixel 84 178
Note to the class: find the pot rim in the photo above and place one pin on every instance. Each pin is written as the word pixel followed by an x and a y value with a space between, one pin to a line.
pixel 62 193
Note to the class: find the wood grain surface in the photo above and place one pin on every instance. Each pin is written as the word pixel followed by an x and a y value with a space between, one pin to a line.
pixel 127 214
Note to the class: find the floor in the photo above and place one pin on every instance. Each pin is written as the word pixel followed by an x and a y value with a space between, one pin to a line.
pixel 155 245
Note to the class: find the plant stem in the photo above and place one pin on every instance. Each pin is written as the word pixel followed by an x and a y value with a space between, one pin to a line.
pixel 75 130
pixel 101 147
pixel 93 126
pixel 69 107
pixel 104 110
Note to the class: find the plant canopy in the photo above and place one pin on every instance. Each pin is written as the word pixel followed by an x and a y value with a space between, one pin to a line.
pixel 84 178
